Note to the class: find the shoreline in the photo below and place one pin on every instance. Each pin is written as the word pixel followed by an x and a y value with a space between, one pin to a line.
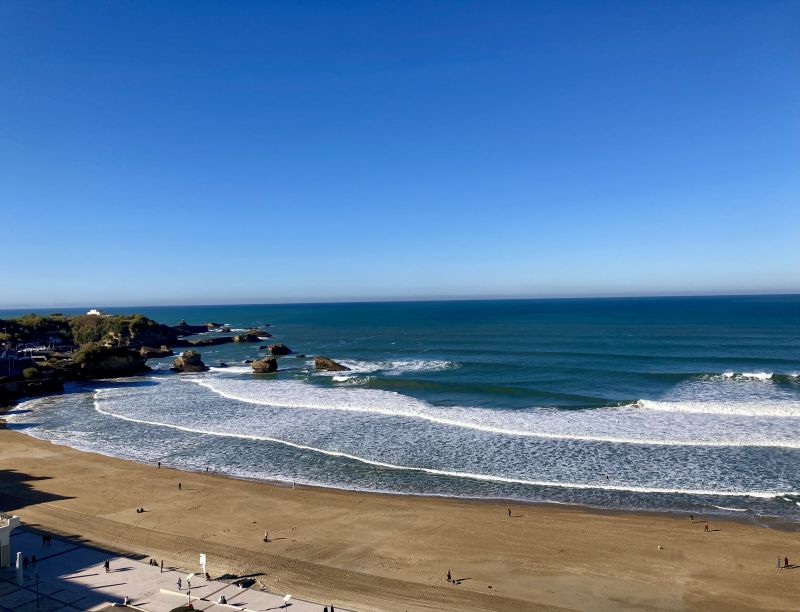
pixel 374 551
pixel 746 517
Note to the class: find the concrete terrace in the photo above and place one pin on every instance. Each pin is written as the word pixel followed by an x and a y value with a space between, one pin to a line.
pixel 72 577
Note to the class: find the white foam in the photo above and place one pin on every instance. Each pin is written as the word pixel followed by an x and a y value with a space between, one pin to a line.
pixel 232 369
pixel 453 473
pixel 730 509
pixel 395 367
pixel 621 425
pixel 757 409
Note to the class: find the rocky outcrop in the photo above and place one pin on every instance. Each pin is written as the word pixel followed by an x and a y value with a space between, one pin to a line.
pixel 211 325
pixel 95 361
pixel 149 352
pixel 265 365
pixel 225 329
pixel 323 363
pixel 211 341
pixel 14 390
pixel 189 361
pixel 184 329
pixel 250 336
pixel 279 349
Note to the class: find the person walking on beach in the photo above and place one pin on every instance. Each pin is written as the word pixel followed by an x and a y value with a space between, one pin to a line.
pixel 449 576
pixel 786 563
pixel 778 562
pixel 162 566
pixel 266 535
pixel 159 465
pixel 691 517
pixel 706 526
pixel 179 583
pixel 107 565
pixel 179 486
pixel 509 513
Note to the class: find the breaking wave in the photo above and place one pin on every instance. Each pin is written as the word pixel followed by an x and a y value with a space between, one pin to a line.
pixel 453 473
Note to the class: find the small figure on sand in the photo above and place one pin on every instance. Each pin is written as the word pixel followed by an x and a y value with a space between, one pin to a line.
pixel 107 565
pixel 162 566
pixel 159 465
pixel 179 583
pixel 691 518
pixel 266 535
pixel 778 562
pixel 706 526
pixel 509 513
pixel 449 576
pixel 786 563
pixel 179 486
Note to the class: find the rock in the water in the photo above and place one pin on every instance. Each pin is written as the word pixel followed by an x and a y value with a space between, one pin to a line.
pixel 189 361
pixel 279 349
pixel 323 363
pixel 225 329
pixel 184 329
pixel 248 361
pixel 149 352
pixel 250 336
pixel 211 341
pixel 222 364
pixel 300 356
pixel 211 325
pixel 265 365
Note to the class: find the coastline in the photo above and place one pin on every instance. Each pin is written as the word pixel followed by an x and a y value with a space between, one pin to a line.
pixel 373 551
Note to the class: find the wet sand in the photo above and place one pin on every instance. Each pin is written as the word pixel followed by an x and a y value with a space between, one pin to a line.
pixel 384 552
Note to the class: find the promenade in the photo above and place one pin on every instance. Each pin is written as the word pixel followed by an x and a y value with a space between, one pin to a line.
pixel 72 577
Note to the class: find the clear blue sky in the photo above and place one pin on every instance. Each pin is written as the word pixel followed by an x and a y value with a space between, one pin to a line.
pixel 213 152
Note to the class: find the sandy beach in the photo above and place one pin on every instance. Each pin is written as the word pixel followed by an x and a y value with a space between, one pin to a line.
pixel 382 552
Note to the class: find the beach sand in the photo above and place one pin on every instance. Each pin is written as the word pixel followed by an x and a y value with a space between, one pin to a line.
pixel 385 552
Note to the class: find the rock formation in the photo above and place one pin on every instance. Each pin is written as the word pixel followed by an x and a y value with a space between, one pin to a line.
pixel 96 361
pixel 184 329
pixel 149 352
pixel 189 361
pixel 265 365
pixel 211 341
pixel 323 363
pixel 279 349
pixel 250 336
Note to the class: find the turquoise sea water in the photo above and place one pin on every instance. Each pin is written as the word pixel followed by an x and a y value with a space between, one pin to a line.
pixel 689 404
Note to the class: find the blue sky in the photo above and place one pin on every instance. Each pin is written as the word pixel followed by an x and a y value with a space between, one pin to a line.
pixel 215 152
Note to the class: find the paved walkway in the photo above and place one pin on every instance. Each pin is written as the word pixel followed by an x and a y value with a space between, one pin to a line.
pixel 71 577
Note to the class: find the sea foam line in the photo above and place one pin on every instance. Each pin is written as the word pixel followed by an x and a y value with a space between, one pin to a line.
pixel 422 413
pixel 449 473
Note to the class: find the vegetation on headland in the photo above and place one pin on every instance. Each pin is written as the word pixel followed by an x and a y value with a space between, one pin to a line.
pixel 75 348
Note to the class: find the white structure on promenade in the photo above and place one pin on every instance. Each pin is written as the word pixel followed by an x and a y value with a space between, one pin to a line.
pixel 7 524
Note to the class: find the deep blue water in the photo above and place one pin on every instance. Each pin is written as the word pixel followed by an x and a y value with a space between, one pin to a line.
pixel 650 403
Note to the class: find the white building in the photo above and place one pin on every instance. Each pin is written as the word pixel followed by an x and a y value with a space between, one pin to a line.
pixel 7 524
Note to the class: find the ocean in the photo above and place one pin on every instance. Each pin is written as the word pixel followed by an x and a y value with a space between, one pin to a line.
pixel 663 404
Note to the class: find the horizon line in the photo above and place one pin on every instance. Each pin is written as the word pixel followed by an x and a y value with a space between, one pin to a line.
pixel 390 300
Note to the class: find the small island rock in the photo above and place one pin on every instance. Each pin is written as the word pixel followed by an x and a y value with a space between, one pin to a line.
pixel 323 363
pixel 265 365
pixel 279 349
pixel 189 361
pixel 149 352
